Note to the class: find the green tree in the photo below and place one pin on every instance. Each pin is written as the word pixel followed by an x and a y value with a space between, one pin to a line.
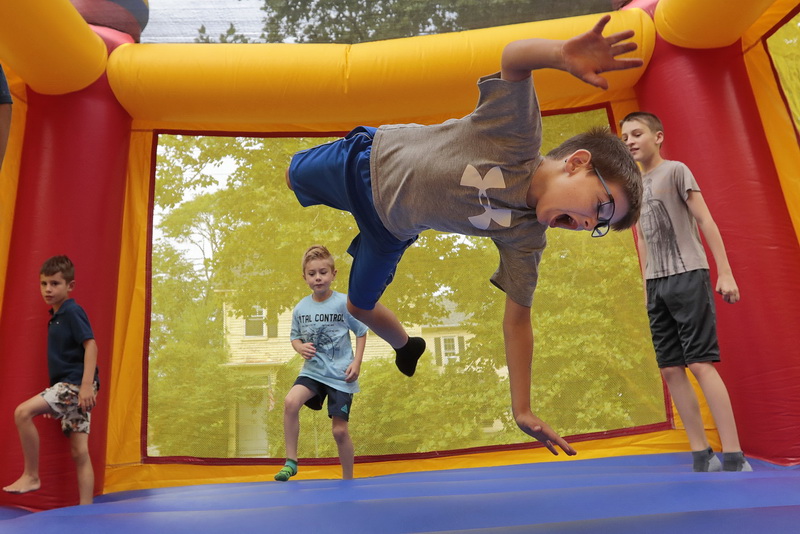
pixel 586 377
pixel 185 350
pixel 783 47
pixel 248 232
pixel 355 21
pixel 190 390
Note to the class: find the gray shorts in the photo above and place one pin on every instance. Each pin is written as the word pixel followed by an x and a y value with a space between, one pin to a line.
pixel 683 319
pixel 63 400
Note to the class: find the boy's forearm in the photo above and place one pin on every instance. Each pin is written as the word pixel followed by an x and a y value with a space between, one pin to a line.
pixel 521 57
pixel 714 239
pixel 519 359
pixel 518 335
pixel 641 248
pixel 89 363
pixel 361 343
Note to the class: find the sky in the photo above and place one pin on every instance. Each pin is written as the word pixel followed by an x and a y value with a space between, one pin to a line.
pixel 178 21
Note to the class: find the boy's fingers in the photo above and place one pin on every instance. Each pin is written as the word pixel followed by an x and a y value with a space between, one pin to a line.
pixel 624 48
pixel 601 24
pixel 597 81
pixel 566 447
pixel 622 64
pixel 614 38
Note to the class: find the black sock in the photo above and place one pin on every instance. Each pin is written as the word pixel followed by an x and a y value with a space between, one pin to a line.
pixel 408 355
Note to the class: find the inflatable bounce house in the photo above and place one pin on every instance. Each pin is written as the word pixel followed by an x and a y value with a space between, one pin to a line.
pixel 89 104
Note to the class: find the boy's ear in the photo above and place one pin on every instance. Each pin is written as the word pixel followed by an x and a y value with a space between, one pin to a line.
pixel 578 160
pixel 71 285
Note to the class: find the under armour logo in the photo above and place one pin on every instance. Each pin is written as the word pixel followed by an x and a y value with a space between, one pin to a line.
pixel 493 179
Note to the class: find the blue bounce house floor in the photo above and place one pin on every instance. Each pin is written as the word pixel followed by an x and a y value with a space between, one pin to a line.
pixel 650 494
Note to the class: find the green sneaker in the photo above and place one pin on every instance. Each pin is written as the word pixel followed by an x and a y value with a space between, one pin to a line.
pixel 288 471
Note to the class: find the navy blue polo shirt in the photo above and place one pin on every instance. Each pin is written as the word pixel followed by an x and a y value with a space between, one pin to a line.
pixel 68 328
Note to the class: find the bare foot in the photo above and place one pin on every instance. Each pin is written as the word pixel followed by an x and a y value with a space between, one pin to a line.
pixel 24 484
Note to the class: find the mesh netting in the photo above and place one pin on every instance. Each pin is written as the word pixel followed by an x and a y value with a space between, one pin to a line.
pixel 228 239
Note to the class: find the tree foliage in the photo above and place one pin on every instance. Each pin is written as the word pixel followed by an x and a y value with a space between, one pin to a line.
pixel 785 52
pixel 251 231
pixel 242 231
pixel 356 21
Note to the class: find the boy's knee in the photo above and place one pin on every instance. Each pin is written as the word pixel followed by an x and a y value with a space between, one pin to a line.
pixel 22 414
pixel 19 414
pixel 291 406
pixel 340 433
pixel 702 369
pixel 80 451
pixel 672 372
pixel 355 311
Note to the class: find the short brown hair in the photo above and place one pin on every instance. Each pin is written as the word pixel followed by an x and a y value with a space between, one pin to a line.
pixel 59 264
pixel 648 119
pixel 613 160
pixel 317 252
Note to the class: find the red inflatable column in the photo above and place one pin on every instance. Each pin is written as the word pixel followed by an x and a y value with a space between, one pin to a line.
pixel 70 201
pixel 711 123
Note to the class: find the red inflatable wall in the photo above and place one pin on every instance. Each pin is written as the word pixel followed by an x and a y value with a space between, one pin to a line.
pixel 69 201
pixel 711 123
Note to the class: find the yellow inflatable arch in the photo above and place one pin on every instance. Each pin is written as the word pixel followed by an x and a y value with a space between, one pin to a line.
pixel 53 58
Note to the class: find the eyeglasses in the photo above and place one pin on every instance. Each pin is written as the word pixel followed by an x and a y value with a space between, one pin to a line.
pixel 605 211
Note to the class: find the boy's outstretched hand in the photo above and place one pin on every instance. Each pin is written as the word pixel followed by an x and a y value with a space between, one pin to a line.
pixel 589 54
pixel 536 428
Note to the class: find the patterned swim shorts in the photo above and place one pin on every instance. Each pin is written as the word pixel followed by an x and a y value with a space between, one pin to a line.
pixel 63 400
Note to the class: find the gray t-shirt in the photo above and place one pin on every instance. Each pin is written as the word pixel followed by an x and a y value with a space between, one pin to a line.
pixel 469 176
pixel 670 230
pixel 327 325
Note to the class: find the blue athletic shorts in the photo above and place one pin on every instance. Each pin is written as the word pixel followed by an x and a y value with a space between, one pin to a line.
pixel 683 319
pixel 5 92
pixel 337 175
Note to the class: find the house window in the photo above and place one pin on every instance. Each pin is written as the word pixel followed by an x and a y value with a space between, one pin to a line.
pixel 448 349
pixel 254 323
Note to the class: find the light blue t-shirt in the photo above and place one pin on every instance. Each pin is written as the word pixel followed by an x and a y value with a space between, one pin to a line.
pixel 327 325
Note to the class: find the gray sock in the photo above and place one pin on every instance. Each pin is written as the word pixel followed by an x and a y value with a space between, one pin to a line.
pixel 735 461
pixel 704 461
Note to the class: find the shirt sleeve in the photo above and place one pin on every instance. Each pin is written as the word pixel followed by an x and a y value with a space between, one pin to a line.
pixel 81 329
pixel 295 331
pixel 684 180
pixel 518 271
pixel 509 111
pixel 358 328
